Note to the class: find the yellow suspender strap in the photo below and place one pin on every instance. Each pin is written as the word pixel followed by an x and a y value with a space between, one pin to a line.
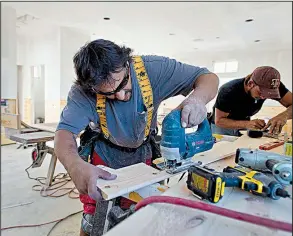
pixel 146 91
pixel 101 110
pixel 147 96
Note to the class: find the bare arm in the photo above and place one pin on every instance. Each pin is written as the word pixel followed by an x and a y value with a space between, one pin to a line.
pixel 66 149
pixel 286 101
pixel 222 121
pixel 84 175
pixel 276 123
pixel 205 87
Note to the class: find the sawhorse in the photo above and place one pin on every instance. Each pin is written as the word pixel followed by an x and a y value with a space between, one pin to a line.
pixel 108 213
pixel 40 138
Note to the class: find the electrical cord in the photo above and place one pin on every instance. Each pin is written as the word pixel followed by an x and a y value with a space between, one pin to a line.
pixel 46 223
pixel 59 181
pixel 274 224
pixel 62 220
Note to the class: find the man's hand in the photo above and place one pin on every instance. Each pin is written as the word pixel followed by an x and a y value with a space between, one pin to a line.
pixel 193 112
pixel 85 175
pixel 276 123
pixel 256 124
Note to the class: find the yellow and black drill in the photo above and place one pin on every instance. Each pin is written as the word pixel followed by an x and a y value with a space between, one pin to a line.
pixel 208 184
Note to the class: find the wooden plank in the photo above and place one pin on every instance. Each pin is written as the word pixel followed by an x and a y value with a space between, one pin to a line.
pixel 35 137
pixel 129 179
pixel 10 120
pixel 50 127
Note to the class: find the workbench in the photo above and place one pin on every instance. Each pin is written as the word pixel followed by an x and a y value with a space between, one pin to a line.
pixel 169 220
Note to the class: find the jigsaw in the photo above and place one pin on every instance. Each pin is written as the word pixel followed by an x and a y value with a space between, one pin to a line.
pixel 178 147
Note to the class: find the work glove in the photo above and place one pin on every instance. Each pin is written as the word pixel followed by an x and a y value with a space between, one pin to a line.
pixel 276 124
pixel 193 112
pixel 85 175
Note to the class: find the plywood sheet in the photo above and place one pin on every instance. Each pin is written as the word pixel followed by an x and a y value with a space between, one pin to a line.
pixel 10 120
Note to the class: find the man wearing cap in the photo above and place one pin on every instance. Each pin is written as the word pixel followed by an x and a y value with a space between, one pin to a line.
pixel 240 99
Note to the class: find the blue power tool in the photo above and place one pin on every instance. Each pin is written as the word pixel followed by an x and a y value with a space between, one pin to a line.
pixel 178 147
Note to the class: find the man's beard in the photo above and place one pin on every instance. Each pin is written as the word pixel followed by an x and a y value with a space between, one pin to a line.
pixel 128 95
pixel 255 98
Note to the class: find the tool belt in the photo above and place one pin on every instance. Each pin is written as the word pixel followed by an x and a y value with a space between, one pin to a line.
pixel 89 137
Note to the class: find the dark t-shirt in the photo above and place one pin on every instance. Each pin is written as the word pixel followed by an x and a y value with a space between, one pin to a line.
pixel 233 99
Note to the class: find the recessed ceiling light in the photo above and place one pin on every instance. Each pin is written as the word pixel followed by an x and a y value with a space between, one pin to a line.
pixel 197 40
pixel 257 41
pixel 106 18
pixel 171 34
pixel 217 37
pixel 249 20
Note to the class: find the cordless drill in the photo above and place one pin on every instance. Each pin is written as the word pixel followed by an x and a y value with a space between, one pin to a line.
pixel 210 185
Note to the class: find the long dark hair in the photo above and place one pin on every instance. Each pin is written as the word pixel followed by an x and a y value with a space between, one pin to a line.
pixel 95 61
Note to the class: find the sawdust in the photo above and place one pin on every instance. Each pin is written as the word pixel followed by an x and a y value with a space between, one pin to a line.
pixel 173 221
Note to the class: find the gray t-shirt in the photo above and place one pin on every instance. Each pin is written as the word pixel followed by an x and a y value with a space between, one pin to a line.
pixel 126 121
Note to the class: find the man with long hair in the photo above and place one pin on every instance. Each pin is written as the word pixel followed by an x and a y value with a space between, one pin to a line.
pixel 117 95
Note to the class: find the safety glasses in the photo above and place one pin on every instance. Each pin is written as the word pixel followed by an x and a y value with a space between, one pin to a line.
pixel 119 88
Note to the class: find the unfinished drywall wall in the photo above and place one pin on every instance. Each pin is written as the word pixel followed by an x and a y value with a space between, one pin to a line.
pixel 41 49
pixel 54 48
pixel 8 53
pixel 70 41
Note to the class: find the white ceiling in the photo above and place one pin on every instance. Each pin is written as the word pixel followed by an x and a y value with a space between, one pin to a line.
pixel 146 26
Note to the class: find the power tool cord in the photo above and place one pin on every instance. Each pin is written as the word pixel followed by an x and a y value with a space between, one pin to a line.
pixel 274 224
pixel 61 178
pixel 36 225
pixel 59 181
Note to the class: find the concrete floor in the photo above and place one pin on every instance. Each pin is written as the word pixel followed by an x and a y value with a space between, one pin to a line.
pixel 16 188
